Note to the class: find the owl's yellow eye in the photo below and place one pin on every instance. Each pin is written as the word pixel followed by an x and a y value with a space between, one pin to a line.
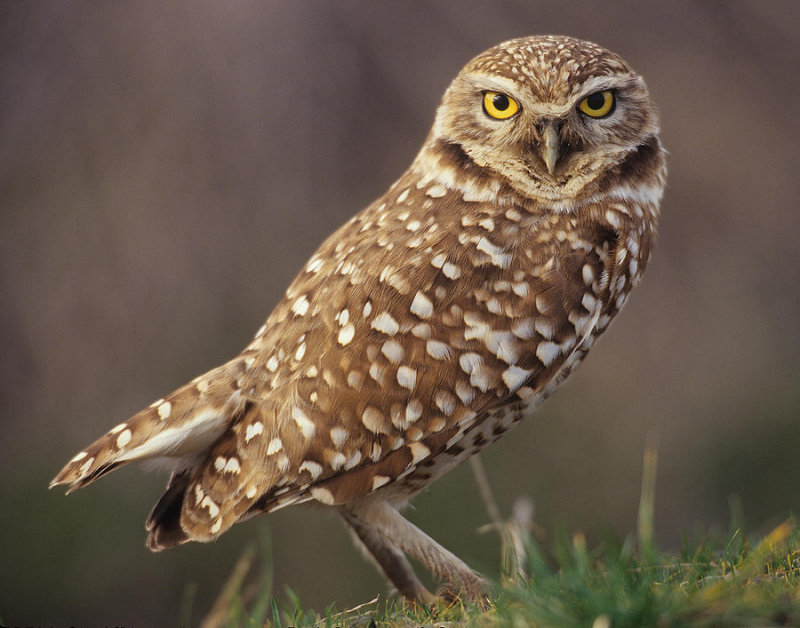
pixel 499 106
pixel 598 105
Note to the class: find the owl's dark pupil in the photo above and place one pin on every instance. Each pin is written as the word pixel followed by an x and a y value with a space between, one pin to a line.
pixel 500 102
pixel 596 101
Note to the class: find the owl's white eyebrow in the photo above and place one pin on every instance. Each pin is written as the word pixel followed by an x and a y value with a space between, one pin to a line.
pixel 494 83
pixel 599 83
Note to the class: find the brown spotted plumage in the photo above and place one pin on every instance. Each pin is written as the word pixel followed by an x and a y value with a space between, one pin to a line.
pixel 431 322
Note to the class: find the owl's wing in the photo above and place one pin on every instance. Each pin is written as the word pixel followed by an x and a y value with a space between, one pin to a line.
pixel 367 372
pixel 172 432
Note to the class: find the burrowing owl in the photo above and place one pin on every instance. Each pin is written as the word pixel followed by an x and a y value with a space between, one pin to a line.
pixel 430 323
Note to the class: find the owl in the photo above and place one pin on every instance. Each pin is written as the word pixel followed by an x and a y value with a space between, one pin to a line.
pixel 429 324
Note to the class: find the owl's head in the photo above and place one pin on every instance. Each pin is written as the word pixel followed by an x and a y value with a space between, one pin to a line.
pixel 549 114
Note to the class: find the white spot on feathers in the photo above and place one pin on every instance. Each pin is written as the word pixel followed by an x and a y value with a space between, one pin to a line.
pixel 465 392
pixel 322 495
pixel 438 350
pixel 314 468
pixel 418 452
pixel 547 352
pixel 524 328
pixel 407 377
pixel 213 508
pixel 124 438
pixel 514 377
pixel 393 351
pixel 338 437
pixel 314 265
pixel 421 306
pixel 164 410
pixel 487 223
pixel 303 422
pixel 231 466
pixel 300 306
pixel 346 334
pixel 282 462
pixel 253 430
pixel 521 288
pixel 469 362
pixel 589 302
pixel 353 460
pixel 385 324
pixel 498 256
pixel 451 271
pixel 374 421
pixel 337 461
pixel 544 326
pixel 413 410
pixel 445 402
pixel 86 466
pixel 587 272
pixel 355 379
pixel 376 372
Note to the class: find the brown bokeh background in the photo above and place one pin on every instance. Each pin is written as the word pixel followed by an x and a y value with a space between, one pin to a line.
pixel 166 168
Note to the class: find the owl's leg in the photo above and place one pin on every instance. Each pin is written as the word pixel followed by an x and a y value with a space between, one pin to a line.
pixel 385 526
pixel 391 560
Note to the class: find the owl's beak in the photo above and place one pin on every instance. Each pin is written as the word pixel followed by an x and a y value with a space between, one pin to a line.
pixel 550 143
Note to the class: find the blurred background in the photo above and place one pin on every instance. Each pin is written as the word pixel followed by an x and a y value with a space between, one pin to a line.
pixel 166 169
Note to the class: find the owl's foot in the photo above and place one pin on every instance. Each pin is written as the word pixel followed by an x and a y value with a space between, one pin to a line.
pixel 387 536
pixel 474 592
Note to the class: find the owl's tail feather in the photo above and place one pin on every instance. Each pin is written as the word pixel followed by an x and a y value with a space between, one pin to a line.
pixel 164 521
pixel 173 432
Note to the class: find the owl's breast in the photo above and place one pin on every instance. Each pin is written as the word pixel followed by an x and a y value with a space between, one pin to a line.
pixel 426 327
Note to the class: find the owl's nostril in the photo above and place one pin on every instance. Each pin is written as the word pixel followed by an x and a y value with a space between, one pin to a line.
pixel 543 123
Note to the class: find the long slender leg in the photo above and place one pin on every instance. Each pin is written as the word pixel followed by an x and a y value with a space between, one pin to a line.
pixel 385 524
pixel 391 560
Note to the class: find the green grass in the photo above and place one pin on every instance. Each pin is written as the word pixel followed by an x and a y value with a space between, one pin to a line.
pixel 719 579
